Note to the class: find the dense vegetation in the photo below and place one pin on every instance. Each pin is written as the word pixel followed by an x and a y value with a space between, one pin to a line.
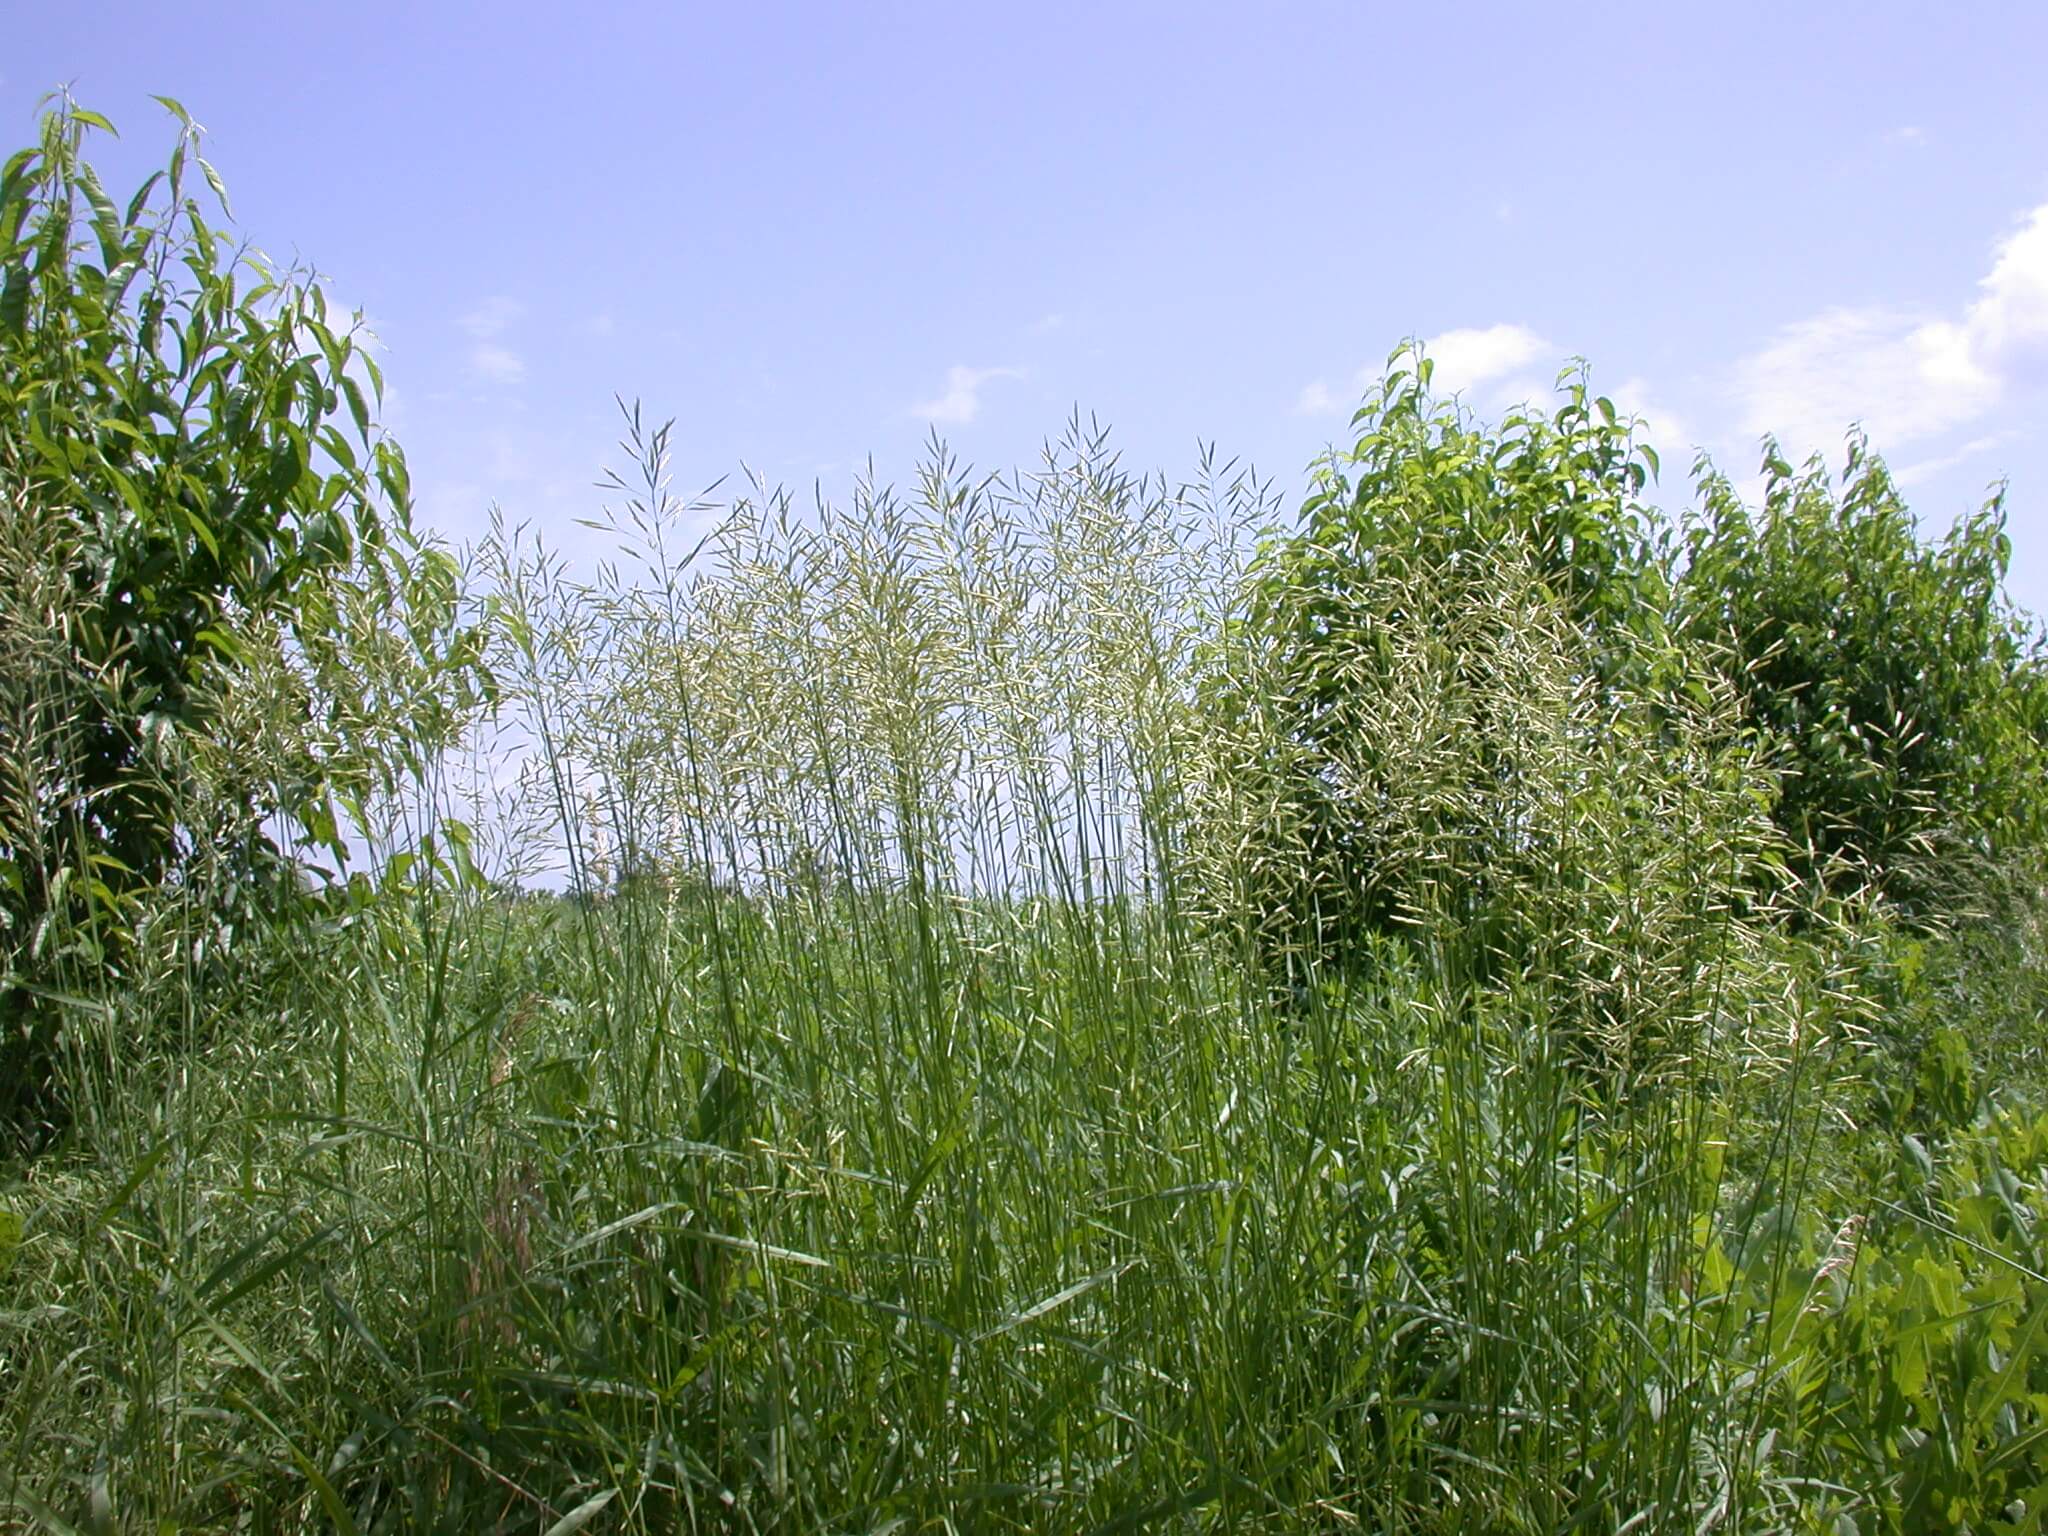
pixel 191 478
pixel 1074 1002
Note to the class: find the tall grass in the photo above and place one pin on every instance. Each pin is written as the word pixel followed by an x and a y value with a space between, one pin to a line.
pixel 903 1123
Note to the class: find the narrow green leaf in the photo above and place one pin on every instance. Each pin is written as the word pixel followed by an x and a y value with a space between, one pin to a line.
pixel 131 495
pixel 337 448
pixel 146 1165
pixel 763 1250
pixel 140 200
pixel 624 1223
pixel 358 407
pixel 230 1267
pixel 219 187
pixel 1058 1299
pixel 105 223
pixel 14 1494
pixel 329 1499
pixel 582 1514
pixel 14 301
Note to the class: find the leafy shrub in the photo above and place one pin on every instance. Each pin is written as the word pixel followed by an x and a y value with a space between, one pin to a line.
pixel 1404 557
pixel 212 584
pixel 1909 699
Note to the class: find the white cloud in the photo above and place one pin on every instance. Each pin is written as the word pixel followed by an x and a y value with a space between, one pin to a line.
pixel 490 359
pixel 1900 378
pixel 600 325
pixel 1523 390
pixel 498 364
pixel 1908 133
pixel 2010 321
pixel 1472 356
pixel 961 401
pixel 1046 324
pixel 1317 399
pixel 491 317
pixel 1463 360
pixel 1927 469
pixel 1904 377
pixel 1666 431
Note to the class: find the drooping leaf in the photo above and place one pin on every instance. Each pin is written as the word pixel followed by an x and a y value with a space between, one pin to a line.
pixel 14 301
pixel 220 190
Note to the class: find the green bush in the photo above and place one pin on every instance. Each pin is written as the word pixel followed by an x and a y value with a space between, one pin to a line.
pixel 1395 555
pixel 1909 699
pixel 1905 702
pixel 204 528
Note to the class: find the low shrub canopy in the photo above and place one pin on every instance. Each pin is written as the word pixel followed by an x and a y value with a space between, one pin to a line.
pixel 1909 699
pixel 1543 511
pixel 1902 702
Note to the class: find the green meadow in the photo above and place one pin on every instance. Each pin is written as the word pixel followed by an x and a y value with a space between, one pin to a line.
pixel 1501 993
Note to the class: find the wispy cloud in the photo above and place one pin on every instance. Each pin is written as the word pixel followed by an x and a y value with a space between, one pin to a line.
pixel 1927 469
pixel 1903 379
pixel 961 401
pixel 1467 359
pixel 1470 357
pixel 490 358
pixel 1667 431
pixel 1907 133
pixel 1046 324
pixel 500 365
pixel 492 316
pixel 1317 399
pixel 1904 376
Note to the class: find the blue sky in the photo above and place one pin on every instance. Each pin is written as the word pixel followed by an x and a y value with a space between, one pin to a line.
pixel 809 233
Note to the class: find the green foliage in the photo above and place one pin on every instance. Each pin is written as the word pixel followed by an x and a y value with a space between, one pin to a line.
pixel 889 1131
pixel 1424 483
pixel 199 515
pixel 1908 698
pixel 1904 702
pixel 1416 544
pixel 1907 1353
pixel 879 1144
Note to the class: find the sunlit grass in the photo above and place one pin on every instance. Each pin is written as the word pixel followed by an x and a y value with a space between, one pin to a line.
pixel 915 1117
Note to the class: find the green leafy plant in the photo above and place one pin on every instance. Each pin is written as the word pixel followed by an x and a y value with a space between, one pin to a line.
pixel 1428 498
pixel 1909 1350
pixel 1908 698
pixel 196 498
